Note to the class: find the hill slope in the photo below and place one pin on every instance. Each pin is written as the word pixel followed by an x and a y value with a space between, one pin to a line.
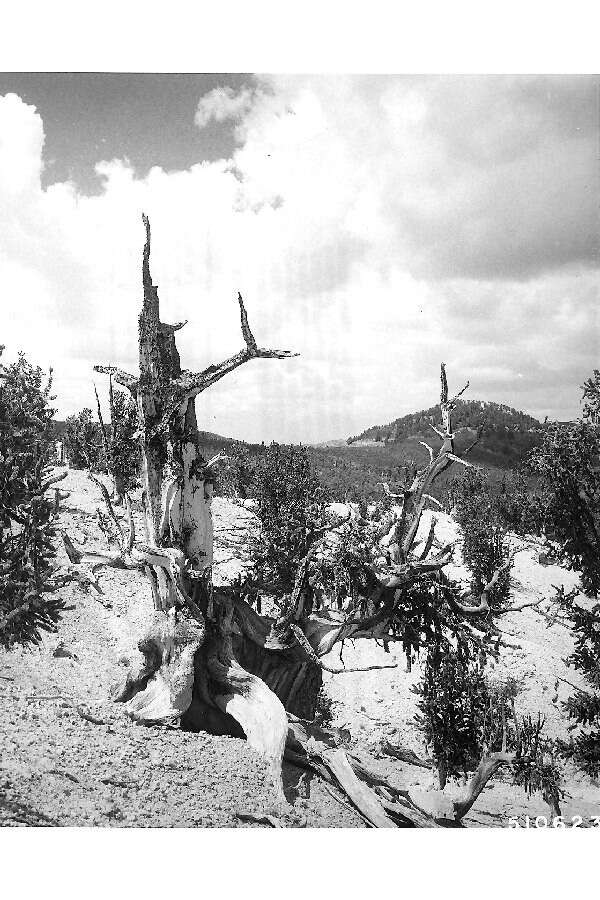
pixel 507 434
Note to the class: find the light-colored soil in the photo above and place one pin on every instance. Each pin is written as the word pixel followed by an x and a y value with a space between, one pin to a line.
pixel 57 768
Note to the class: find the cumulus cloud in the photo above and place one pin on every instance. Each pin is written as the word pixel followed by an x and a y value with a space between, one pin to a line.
pixel 375 224
pixel 221 104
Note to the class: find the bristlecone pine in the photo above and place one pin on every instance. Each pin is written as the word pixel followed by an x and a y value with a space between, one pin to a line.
pixel 208 658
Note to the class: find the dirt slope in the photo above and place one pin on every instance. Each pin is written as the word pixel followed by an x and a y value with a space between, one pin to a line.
pixel 57 768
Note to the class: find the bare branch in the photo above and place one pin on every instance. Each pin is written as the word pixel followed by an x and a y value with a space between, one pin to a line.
pixel 487 767
pixel 101 420
pixel 437 430
pixel 114 560
pixel 459 459
pixel 483 605
pixel 123 378
pixel 151 309
pixel 164 328
pixel 169 495
pixel 452 402
pixel 333 670
pixel 429 541
pixel 444 381
pixel 131 536
pixel 109 507
pixel 220 457
pixel 387 491
pixel 475 442
pixel 520 606
pixel 50 481
pixel 246 332
pixel 429 449
pixel 191 384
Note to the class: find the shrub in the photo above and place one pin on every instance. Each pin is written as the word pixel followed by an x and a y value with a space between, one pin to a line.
pixel 452 706
pixel 566 462
pixel 236 473
pixel 121 447
pixel 478 513
pixel 83 442
pixel 291 508
pixel 514 504
pixel 26 515
pixel 583 707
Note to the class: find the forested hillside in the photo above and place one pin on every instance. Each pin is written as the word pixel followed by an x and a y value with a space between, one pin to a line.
pixel 506 434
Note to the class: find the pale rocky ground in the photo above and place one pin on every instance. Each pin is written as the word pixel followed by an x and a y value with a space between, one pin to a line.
pixel 58 769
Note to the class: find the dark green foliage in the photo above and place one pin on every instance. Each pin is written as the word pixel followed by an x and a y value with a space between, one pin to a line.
pixel 349 473
pixel 567 464
pixel 521 506
pixel 515 503
pixel 236 474
pixel 83 442
pixel 536 768
pixel 591 398
pixel 291 508
pixel 122 451
pixel 26 531
pixel 479 515
pixel 583 707
pixel 454 700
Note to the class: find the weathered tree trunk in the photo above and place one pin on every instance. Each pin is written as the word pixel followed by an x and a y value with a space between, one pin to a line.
pixel 187 652
pixel 177 515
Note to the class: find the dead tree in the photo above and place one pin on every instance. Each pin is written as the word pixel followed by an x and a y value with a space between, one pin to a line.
pixel 207 657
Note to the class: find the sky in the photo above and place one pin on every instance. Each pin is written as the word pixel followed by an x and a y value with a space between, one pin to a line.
pixel 377 225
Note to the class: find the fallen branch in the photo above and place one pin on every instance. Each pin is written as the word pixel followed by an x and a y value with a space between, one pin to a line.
pixel 64 774
pixel 343 803
pixel 333 670
pixel 78 707
pixel 404 755
pixel 119 783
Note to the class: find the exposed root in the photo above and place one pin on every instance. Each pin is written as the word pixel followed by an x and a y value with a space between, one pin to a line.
pixel 160 687
pixel 257 709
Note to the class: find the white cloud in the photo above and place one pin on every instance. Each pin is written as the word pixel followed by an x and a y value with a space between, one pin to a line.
pixel 377 225
pixel 221 104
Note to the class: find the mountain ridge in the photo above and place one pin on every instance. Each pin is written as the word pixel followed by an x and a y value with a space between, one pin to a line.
pixel 467 414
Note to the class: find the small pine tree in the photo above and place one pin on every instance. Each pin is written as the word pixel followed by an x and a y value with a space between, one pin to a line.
pixel 120 444
pixel 484 536
pixel 566 462
pixel 453 702
pixel 26 529
pixel 236 474
pixel 83 442
pixel 291 507
pixel 583 707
